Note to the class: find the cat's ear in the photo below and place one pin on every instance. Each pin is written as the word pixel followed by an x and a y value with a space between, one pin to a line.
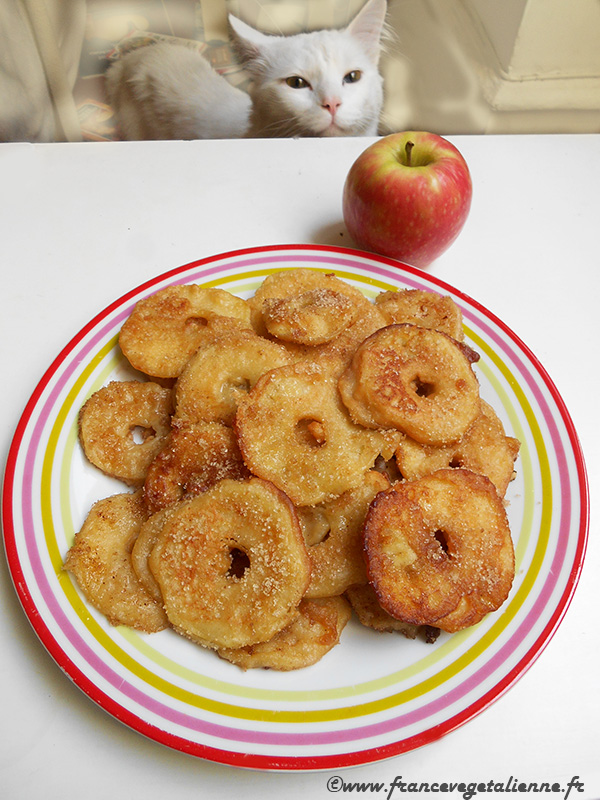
pixel 368 25
pixel 247 41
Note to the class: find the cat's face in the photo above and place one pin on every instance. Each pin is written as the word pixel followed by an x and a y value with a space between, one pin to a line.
pixel 324 83
pixel 318 84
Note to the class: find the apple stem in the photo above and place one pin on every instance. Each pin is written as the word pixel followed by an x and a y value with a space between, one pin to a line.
pixel 408 150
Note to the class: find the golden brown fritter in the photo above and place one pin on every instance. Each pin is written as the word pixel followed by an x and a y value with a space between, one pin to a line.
pixel 164 330
pixel 123 426
pixel 439 550
pixel 100 561
pixel 413 379
pixel 231 564
pixel 310 636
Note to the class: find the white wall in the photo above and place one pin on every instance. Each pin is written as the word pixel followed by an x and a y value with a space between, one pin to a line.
pixel 558 39
pixel 542 38
pixel 501 20
pixel 495 66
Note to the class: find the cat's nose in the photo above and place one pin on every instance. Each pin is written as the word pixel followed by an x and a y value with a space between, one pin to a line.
pixel 331 104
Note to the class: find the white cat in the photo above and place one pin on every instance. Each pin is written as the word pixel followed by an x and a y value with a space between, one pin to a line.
pixel 323 83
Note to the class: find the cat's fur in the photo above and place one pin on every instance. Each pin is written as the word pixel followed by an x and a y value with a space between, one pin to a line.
pixel 167 91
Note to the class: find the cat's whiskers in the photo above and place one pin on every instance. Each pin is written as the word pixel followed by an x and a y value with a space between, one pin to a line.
pixel 283 126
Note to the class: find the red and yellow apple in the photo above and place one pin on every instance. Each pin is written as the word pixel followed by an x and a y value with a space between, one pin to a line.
pixel 407 196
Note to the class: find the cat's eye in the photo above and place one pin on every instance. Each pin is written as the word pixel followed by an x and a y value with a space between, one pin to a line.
pixel 297 82
pixel 353 76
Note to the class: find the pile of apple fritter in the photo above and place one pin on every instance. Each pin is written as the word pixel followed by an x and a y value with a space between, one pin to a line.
pixel 289 461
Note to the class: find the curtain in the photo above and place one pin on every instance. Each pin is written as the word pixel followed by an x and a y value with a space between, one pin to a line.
pixel 40 48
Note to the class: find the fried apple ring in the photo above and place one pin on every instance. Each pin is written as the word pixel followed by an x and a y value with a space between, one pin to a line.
pixel 294 431
pixel 231 564
pixel 426 309
pixel 221 372
pixel 365 604
pixel 333 534
pixel 165 329
pixel 313 317
pixel 439 550
pixel 338 351
pixel 100 561
pixel 485 449
pixel 414 379
pixel 290 284
pixel 310 636
pixel 194 457
pixel 123 426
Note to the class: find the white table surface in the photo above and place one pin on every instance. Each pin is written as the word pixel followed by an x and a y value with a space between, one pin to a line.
pixel 82 224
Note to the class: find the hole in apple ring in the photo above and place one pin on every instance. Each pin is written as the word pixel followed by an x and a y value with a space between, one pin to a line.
pixel 141 433
pixel 442 540
pixel 422 388
pixel 240 562
pixel 310 432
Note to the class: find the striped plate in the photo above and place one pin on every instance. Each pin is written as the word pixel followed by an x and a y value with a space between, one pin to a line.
pixel 373 696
